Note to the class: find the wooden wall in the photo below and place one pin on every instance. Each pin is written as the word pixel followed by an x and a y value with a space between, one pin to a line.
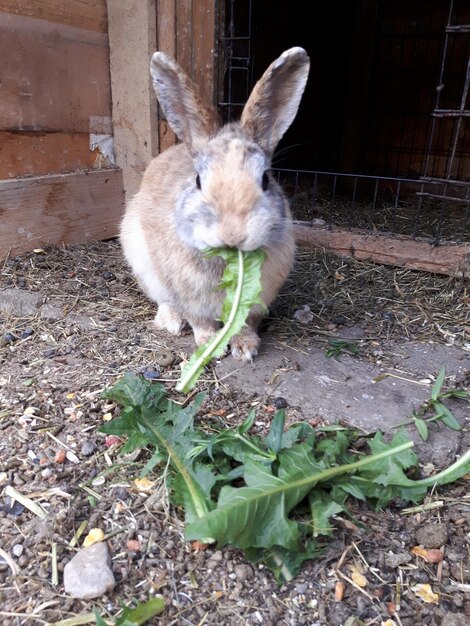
pixel 55 102
pixel 74 76
pixel 55 86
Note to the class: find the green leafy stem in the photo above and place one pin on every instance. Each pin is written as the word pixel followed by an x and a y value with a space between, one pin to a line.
pixel 243 289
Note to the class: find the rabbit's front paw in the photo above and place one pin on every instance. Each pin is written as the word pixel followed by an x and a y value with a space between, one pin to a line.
pixel 168 319
pixel 202 334
pixel 245 345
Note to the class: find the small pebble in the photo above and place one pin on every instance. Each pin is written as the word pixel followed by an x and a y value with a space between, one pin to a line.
pixel 46 473
pixel 280 403
pixel 151 375
pixel 9 337
pixel 60 456
pixel 28 331
pixel 133 545
pixel 12 508
pixel 21 282
pixel 340 320
pixel 395 560
pixel 112 440
pixel 108 276
pixel 88 448
pixel 50 353
pixel 17 550
pixel 243 571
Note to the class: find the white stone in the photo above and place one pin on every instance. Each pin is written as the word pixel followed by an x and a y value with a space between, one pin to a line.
pixel 89 575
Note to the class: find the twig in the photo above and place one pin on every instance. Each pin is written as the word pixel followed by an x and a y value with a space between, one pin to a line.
pixel 428 506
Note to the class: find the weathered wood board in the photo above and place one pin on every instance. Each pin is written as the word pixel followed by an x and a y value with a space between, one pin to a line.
pixel 53 77
pixel 39 153
pixel 89 14
pixel 66 208
pixel 132 38
pixel 450 259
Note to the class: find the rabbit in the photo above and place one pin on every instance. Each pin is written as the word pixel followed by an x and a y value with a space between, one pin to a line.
pixel 214 189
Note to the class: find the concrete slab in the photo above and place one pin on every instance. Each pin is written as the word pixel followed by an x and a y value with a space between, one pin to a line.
pixel 345 390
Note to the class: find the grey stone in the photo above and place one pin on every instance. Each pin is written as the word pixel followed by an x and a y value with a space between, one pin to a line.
pixel 88 447
pixel 84 322
pixel 51 311
pixel 394 560
pixel 432 535
pixel 456 619
pixel 20 303
pixel 243 571
pixel 89 575
pixel 17 549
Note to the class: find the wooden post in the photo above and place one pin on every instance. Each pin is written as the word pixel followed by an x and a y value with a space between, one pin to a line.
pixel 132 40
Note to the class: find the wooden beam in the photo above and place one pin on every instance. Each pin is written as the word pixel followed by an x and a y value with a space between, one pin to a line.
pixel 39 153
pixel 204 48
pixel 53 78
pixel 89 14
pixel 66 208
pixel 450 259
pixel 132 40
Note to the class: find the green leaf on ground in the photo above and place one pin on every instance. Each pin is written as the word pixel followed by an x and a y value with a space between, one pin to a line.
pixel 272 496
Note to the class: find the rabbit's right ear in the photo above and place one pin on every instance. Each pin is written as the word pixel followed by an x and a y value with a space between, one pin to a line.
pixel 191 119
pixel 274 101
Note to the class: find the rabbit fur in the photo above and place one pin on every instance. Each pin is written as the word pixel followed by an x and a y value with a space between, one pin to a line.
pixel 214 189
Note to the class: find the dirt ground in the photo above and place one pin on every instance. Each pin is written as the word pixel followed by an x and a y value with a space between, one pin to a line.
pixel 72 321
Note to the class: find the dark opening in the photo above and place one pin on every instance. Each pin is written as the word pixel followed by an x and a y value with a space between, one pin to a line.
pixel 375 66
pixel 380 141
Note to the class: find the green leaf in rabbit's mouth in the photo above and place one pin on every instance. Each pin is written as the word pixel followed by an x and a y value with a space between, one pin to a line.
pixel 242 283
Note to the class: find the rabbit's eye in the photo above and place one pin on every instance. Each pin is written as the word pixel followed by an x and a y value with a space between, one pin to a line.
pixel 198 181
pixel 265 181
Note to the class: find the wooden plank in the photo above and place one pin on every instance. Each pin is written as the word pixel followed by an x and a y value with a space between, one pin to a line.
pixel 53 77
pixel 184 43
pixel 35 154
pixel 65 208
pixel 89 14
pixel 204 48
pixel 166 42
pixel 450 259
pixel 132 40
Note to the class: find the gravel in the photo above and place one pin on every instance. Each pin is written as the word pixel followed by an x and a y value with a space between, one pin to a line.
pixel 51 403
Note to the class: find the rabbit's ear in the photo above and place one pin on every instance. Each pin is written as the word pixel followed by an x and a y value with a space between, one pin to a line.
pixel 191 119
pixel 274 101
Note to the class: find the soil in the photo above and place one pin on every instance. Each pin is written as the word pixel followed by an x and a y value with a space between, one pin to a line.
pixel 73 321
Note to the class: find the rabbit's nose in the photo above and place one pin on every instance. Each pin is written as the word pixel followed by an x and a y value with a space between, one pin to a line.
pixel 231 236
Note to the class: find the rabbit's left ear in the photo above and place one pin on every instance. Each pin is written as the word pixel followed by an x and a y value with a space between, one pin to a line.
pixel 274 101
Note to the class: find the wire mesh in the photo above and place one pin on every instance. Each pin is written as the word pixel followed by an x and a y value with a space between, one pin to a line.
pixel 433 210
pixel 412 176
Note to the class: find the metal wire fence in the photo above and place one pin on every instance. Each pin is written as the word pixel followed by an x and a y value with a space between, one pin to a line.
pixel 432 199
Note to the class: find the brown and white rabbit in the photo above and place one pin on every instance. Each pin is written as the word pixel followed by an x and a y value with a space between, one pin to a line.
pixel 214 189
